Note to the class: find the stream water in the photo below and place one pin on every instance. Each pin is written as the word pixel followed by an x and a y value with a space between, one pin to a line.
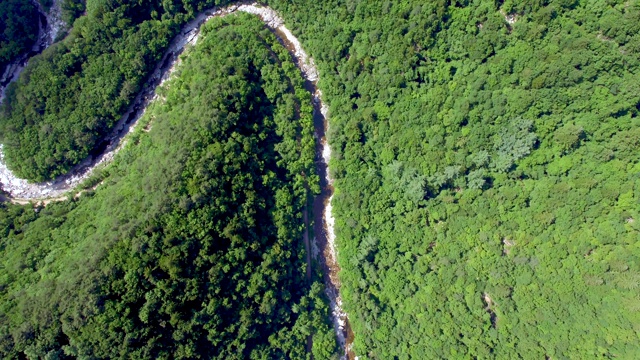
pixel 323 245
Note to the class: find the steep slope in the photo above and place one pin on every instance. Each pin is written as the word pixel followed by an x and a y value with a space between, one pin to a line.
pixel 192 246
pixel 487 174
pixel 487 178
pixel 83 84
pixel 18 29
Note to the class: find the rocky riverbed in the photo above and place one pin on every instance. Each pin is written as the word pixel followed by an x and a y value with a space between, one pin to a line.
pixel 323 244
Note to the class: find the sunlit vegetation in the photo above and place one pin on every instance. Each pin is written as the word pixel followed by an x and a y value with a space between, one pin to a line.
pixel 487 185
pixel 83 84
pixel 71 10
pixel 487 174
pixel 192 245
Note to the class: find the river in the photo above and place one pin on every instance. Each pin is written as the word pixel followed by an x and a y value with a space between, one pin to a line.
pixel 323 245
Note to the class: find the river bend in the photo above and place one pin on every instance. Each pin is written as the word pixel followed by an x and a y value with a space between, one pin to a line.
pixel 323 244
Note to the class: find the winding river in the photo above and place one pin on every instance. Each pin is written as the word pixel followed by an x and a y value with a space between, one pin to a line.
pixel 323 244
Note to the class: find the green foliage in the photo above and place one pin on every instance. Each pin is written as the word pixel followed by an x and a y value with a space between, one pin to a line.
pixel 487 185
pixel 192 246
pixel 71 10
pixel 18 29
pixel 514 141
pixel 525 244
pixel 69 97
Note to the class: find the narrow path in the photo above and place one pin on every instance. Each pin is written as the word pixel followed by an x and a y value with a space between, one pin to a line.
pixel 323 245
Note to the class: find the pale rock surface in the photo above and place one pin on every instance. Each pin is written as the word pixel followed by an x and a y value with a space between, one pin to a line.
pixel 20 190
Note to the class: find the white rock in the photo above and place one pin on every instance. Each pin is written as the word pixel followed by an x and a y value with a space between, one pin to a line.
pixel 20 190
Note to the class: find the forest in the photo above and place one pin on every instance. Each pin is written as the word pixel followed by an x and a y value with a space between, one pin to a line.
pixel 487 174
pixel 18 29
pixel 19 21
pixel 88 79
pixel 487 184
pixel 191 247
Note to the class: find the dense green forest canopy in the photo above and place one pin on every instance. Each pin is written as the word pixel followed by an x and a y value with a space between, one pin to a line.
pixel 19 25
pixel 487 185
pixel 487 174
pixel 192 245
pixel 71 10
pixel 83 84
pixel 18 29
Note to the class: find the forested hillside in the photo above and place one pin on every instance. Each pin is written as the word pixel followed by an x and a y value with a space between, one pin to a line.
pixel 71 10
pixel 18 29
pixel 191 247
pixel 487 174
pixel 487 184
pixel 84 83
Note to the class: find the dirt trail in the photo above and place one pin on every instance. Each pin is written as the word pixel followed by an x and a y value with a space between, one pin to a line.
pixel 323 245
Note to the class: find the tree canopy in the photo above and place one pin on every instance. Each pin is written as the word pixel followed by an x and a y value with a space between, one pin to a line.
pixel 192 245
pixel 487 174
pixel 487 184
pixel 18 29
pixel 83 84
